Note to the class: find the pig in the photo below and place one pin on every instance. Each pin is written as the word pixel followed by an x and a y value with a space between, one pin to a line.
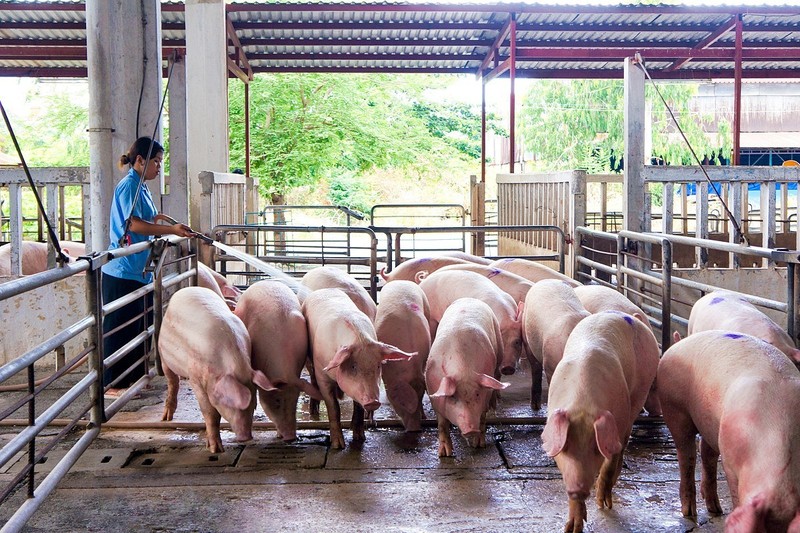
pixel 408 269
pixel 729 311
pixel 459 371
pixel 596 393
pixel 741 395
pixel 468 257
pixel 598 298
pixel 552 310
pixel 531 270
pixel 403 321
pixel 516 286
pixel 328 277
pixel 443 288
pixel 202 340
pixel 34 256
pixel 211 279
pixel 347 358
pixel 279 338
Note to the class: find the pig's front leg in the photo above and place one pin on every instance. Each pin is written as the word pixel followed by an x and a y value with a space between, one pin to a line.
pixel 212 418
pixel 606 480
pixel 536 382
pixel 445 444
pixel 357 423
pixel 173 384
pixel 708 481
pixel 577 516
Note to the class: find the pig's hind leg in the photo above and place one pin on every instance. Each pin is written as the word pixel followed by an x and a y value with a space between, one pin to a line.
pixel 171 401
pixel 708 481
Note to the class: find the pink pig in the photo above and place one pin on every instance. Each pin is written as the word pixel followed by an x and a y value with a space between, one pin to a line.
pixel 596 393
pixel 552 310
pixel 531 270
pixel 516 286
pixel 277 327
pixel 741 395
pixel 202 340
pixel 443 288
pixel 729 311
pixel 347 358
pixel 408 269
pixel 599 298
pixel 403 321
pixel 328 277
pixel 459 372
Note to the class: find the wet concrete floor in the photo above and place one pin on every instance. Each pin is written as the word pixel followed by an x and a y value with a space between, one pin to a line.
pixel 156 480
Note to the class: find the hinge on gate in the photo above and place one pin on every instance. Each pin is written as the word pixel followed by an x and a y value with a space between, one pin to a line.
pixel 568 239
pixel 156 256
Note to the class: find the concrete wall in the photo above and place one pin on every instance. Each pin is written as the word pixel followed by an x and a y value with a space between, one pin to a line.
pixel 31 318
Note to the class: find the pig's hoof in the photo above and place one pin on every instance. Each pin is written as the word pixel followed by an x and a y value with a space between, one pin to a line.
pixel 337 443
pixel 713 506
pixel 445 450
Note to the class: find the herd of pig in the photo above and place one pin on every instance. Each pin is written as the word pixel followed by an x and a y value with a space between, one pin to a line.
pixel 453 325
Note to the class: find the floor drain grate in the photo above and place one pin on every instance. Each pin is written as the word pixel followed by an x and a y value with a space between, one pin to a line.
pixel 183 458
pixel 283 456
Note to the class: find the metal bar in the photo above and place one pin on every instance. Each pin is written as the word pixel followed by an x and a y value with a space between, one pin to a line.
pixel 49 483
pixel 512 74
pixel 666 293
pixel 31 431
pixel 737 93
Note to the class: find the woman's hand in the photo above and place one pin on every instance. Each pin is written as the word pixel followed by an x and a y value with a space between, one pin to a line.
pixel 182 230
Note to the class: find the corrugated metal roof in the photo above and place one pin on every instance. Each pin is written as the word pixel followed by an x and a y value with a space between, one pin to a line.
pixel 589 41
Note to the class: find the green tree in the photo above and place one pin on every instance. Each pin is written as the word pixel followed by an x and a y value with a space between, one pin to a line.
pixel 312 128
pixel 579 124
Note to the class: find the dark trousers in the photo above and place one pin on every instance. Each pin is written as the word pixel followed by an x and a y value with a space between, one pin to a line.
pixel 114 288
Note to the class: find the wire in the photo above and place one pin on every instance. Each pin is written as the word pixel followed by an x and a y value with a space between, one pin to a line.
pixel 60 256
pixel 741 236
pixel 125 234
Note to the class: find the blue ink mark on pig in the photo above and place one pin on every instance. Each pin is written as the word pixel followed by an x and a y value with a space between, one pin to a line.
pixel 629 319
pixel 717 300
pixel 733 335
pixel 424 260
pixel 494 272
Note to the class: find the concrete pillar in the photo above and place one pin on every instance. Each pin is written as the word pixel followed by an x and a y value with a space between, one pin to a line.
pixel 123 47
pixel 206 96
pixel 633 190
pixel 176 203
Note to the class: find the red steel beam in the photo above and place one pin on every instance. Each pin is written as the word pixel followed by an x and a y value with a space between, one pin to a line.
pixel 710 54
pixel 705 43
pixel 737 93
pixel 512 74
pixel 495 46
pixel 364 57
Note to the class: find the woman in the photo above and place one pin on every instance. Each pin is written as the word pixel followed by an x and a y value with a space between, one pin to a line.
pixel 124 275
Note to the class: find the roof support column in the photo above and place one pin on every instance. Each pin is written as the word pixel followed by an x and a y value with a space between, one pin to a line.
pixel 206 96
pixel 176 203
pixel 634 188
pixel 737 93
pixel 512 75
pixel 246 129
pixel 123 41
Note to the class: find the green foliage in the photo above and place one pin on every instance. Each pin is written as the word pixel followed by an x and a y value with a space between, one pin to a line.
pixel 347 190
pixel 309 128
pixel 579 124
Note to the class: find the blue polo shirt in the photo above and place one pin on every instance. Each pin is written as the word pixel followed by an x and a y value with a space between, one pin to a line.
pixel 131 266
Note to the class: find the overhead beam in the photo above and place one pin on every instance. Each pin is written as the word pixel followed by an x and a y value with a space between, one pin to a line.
pixel 705 43
pixel 237 62
pixel 494 49
pixel 709 54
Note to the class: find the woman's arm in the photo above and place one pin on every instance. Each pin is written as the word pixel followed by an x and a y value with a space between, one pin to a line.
pixel 148 228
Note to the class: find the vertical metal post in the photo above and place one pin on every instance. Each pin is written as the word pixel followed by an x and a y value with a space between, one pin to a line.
pixel 512 75
pixel 793 301
pixel 158 314
pixel 737 91
pixel 483 129
pixel 246 129
pixel 666 294
pixel 373 268
pixel 31 423
pixel 94 301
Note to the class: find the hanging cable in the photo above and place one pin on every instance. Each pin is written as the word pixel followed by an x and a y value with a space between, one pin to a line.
pixel 125 239
pixel 144 68
pixel 741 237
pixel 60 256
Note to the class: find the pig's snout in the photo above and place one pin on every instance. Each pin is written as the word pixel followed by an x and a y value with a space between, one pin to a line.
pixel 371 406
pixel 244 437
pixel 473 439
pixel 507 370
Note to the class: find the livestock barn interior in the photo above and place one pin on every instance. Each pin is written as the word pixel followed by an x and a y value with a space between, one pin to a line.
pixel 72 460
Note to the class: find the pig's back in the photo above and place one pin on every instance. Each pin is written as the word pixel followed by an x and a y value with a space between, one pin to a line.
pixel 444 288
pixel 468 335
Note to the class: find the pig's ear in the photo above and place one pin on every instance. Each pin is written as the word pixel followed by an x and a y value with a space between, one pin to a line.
pixel 393 353
pixel 489 382
pixel 554 436
pixel 447 387
pixel 795 355
pixel 309 389
pixel 261 381
pixel 230 393
pixel 340 357
pixel 520 309
pixel 750 515
pixel 607 435
pixel 676 336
